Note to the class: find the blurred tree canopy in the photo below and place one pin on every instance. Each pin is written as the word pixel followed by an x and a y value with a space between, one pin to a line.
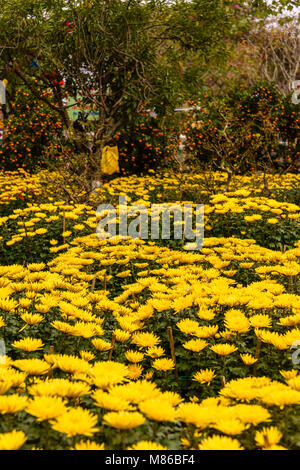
pixel 117 56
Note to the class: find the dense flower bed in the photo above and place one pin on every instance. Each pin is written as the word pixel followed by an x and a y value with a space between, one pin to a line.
pixel 132 344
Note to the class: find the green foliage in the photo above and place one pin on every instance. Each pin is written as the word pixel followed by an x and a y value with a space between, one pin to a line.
pixel 148 144
pixel 29 131
pixel 124 55
pixel 246 130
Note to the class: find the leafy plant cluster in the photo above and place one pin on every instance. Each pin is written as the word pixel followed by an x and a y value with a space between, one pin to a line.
pixel 246 130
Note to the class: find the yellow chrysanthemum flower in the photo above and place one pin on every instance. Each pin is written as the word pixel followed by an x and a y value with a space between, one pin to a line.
pixel 155 352
pixel 12 403
pixel 13 377
pixel 289 374
pixel 59 387
pixel 28 344
pixel 195 345
pixel 86 355
pixel 204 376
pixel 108 373
pixel 158 409
pixel 121 335
pixel 216 442
pixel 72 364
pixel 46 407
pixel 76 421
pixel 4 387
pixel 110 402
pixel 123 419
pixel 248 359
pixel 101 345
pixel 147 445
pixel 136 392
pixel 145 340
pixel 230 426
pixel 276 397
pixel 8 305
pixel 193 413
pixel 134 356
pixel 88 445
pixel 134 371
pixel 268 437
pixel 163 364
pixel 260 321
pixel 12 440
pixel 32 366
pixel 31 318
pixel 188 326
pixel 223 349
pixel 235 320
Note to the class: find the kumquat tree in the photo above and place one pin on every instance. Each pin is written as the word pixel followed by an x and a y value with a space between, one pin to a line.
pixel 150 227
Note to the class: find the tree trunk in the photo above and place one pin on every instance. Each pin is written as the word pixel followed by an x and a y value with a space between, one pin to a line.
pixel 96 175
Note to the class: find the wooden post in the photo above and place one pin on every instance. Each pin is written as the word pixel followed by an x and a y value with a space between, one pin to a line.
pixel 51 351
pixel 257 353
pixel 94 282
pixel 64 225
pixel 112 347
pixel 171 341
